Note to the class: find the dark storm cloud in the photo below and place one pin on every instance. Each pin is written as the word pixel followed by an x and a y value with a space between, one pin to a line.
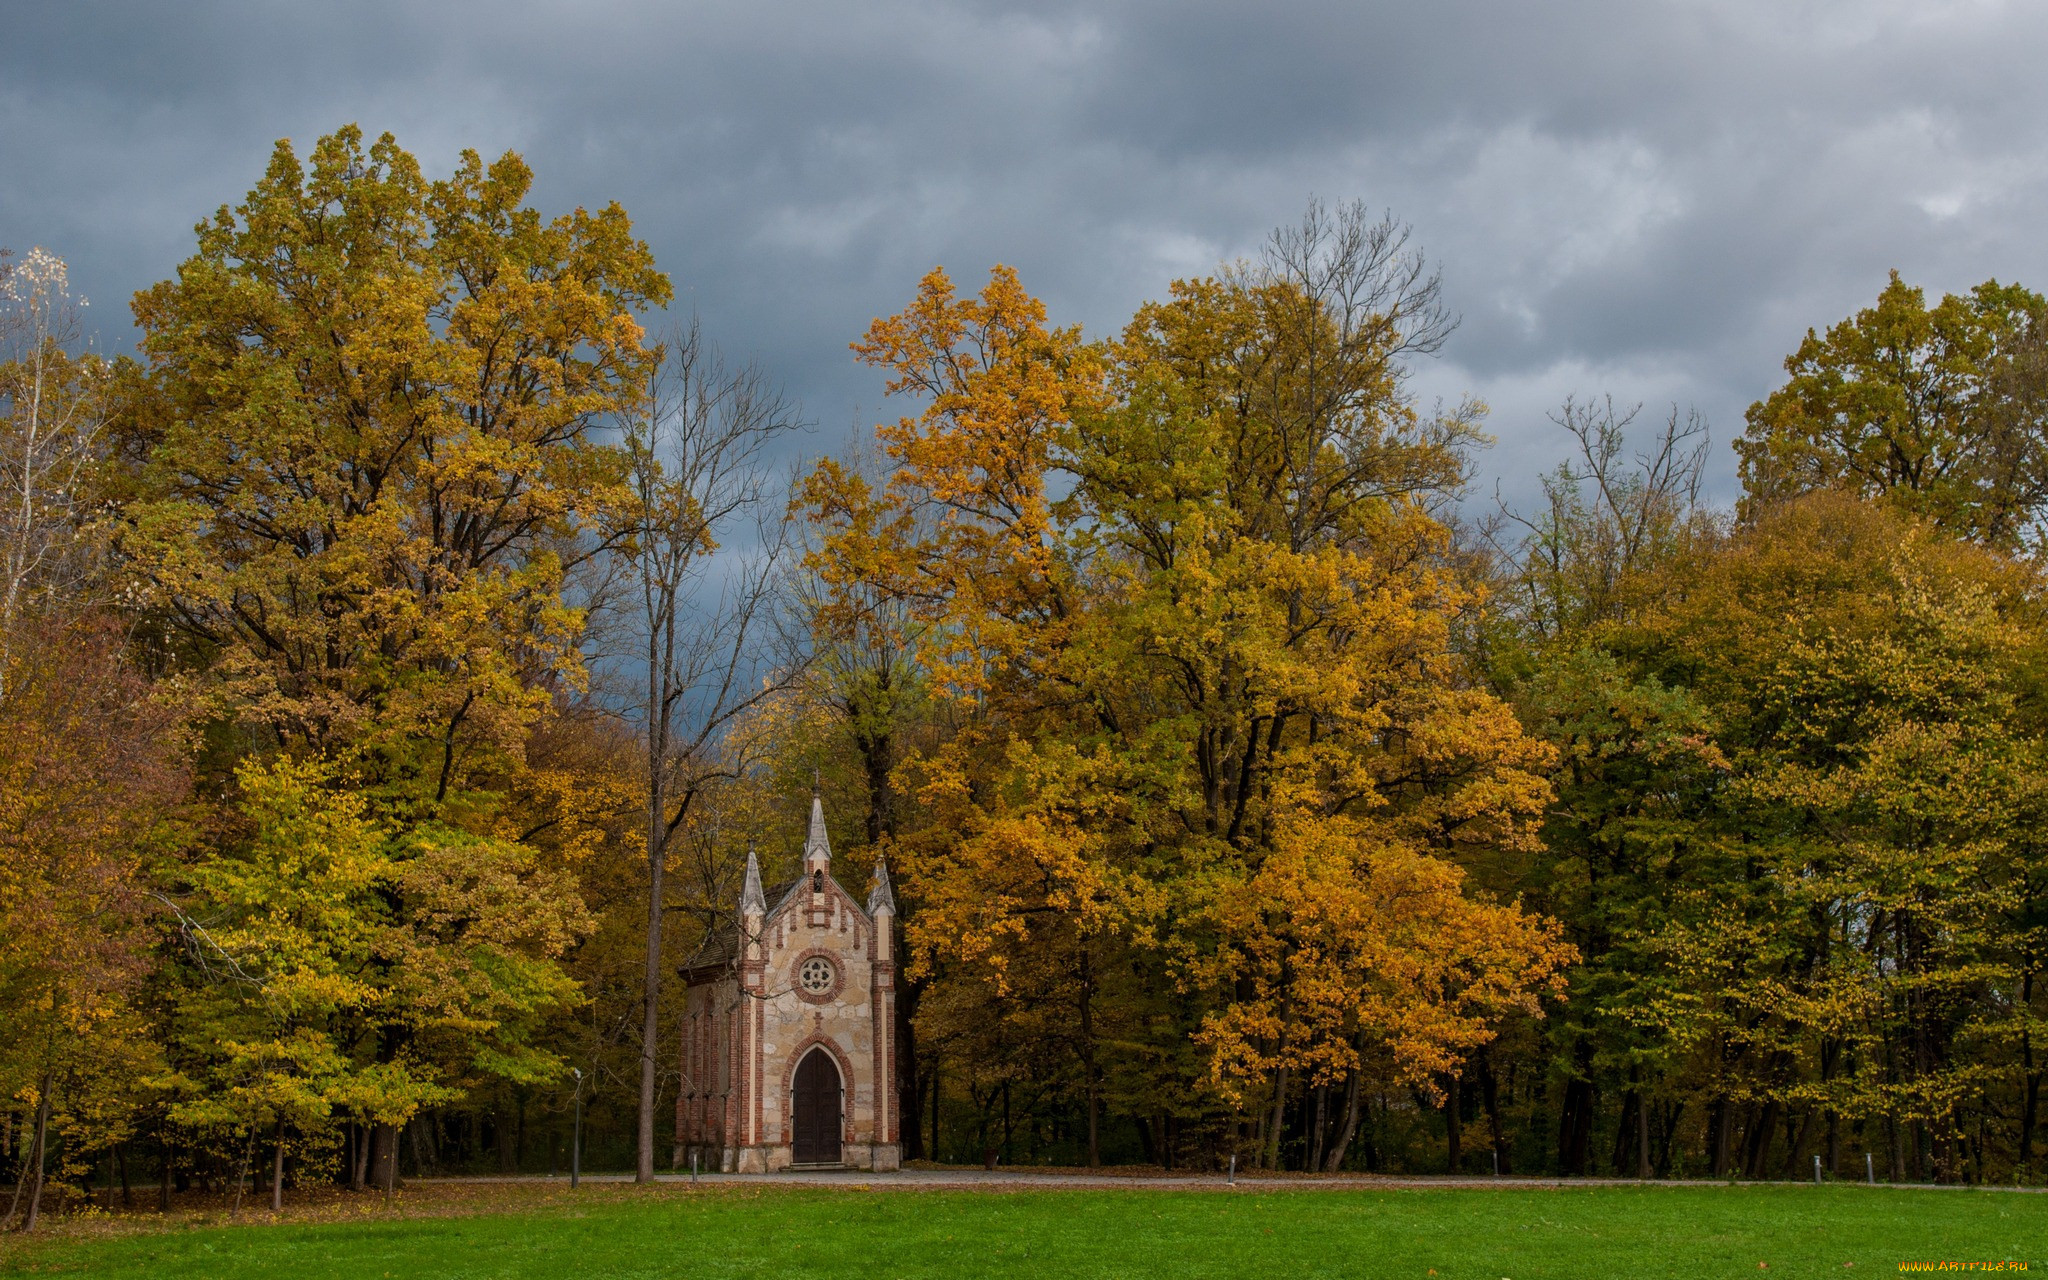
pixel 1649 198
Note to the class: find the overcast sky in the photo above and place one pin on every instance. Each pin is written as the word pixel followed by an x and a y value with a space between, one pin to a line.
pixel 1647 199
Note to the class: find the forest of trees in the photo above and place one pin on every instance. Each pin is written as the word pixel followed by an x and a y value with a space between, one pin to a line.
pixel 401 649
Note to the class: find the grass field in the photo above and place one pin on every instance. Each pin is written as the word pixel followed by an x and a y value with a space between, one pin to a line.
pixel 1453 1234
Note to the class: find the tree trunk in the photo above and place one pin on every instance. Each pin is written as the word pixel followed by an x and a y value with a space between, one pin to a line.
pixel 876 753
pixel 163 1190
pixel 1624 1129
pixel 242 1171
pixel 519 1131
pixel 121 1163
pixel 1760 1136
pixel 277 1169
pixel 32 1167
pixel 1454 1132
pixel 1489 1097
pixel 35 1195
pixel 1795 1156
pixel 2029 1117
pixel 1348 1128
pixel 1669 1141
pixel 420 1131
pixel 657 858
pixel 384 1157
pixel 2030 1105
pixel 909 1080
pixel 1643 1138
pixel 1575 1128
pixel 1719 1122
pixel 1088 1058
pixel 1271 1158
pixel 1319 1127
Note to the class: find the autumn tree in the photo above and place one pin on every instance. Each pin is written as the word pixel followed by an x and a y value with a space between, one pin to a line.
pixel 1293 600
pixel 1192 588
pixel 363 460
pixel 1938 407
pixel 862 677
pixel 90 773
pixel 90 760
pixel 364 454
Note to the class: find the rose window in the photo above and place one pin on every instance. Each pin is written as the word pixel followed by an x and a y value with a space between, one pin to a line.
pixel 815 975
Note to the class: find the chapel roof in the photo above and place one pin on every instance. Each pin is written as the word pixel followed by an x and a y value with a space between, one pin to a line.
pixel 722 944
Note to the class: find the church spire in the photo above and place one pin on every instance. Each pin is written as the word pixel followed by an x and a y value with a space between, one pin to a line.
pixel 752 900
pixel 881 897
pixel 817 847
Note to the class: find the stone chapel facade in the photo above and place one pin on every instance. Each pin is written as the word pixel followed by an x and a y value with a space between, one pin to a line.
pixel 788 1043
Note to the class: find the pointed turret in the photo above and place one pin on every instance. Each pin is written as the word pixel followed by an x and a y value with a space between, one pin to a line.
pixel 752 901
pixel 881 897
pixel 817 848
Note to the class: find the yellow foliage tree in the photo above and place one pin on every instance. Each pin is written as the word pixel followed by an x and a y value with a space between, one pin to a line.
pixel 1189 587
pixel 365 459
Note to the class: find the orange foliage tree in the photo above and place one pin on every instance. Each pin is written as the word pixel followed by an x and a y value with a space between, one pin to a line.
pixel 1189 591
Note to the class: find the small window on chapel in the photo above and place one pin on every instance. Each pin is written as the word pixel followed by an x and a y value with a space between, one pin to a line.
pixel 817 882
pixel 815 975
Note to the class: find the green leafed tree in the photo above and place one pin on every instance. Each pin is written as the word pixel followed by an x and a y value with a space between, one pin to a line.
pixel 338 971
pixel 1940 408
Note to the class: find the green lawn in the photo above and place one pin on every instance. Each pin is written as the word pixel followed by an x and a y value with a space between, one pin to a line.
pixel 1520 1233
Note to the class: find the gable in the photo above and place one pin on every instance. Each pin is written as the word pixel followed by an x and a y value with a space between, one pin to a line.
pixel 790 915
pixel 796 921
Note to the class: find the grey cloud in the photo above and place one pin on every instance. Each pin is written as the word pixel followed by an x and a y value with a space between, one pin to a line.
pixel 1653 199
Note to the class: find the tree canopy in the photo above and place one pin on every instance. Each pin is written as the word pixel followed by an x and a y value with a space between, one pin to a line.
pixel 403 652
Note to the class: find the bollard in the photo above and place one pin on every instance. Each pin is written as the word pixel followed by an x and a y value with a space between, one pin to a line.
pixel 1869 1169
pixel 1816 1171
pixel 1496 1162
pixel 693 1168
pixel 1233 1169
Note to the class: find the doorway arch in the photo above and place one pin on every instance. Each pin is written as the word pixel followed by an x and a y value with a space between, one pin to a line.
pixel 815 1111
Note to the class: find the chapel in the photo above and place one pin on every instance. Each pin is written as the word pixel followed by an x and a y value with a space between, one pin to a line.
pixel 788 1042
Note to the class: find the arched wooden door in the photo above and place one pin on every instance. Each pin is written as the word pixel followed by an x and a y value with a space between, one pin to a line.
pixel 814 1110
